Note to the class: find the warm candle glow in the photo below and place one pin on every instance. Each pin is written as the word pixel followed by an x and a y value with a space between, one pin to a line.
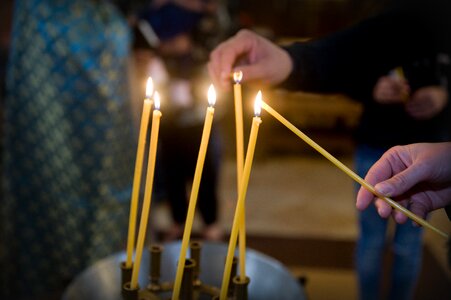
pixel 149 87
pixel 258 104
pixel 151 161
pixel 156 100
pixel 211 95
pixel 194 192
pixel 237 76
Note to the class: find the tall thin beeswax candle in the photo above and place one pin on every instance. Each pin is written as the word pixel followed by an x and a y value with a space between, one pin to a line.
pixel 138 172
pixel 194 191
pixel 147 191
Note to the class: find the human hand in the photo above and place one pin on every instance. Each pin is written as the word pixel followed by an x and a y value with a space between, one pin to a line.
pixel 389 89
pixel 427 102
pixel 418 175
pixel 258 59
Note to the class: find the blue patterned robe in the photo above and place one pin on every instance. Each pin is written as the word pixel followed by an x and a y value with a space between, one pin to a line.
pixel 68 144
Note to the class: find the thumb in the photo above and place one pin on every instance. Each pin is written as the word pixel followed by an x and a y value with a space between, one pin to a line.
pixel 252 72
pixel 401 182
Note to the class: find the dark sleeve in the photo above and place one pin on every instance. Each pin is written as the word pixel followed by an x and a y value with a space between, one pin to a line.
pixel 448 211
pixel 357 56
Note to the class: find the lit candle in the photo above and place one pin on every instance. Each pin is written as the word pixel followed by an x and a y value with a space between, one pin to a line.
pixel 399 73
pixel 256 121
pixel 237 77
pixel 349 172
pixel 194 191
pixel 138 171
pixel 148 190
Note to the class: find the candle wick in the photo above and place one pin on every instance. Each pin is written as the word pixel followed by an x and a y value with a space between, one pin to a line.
pixel 237 77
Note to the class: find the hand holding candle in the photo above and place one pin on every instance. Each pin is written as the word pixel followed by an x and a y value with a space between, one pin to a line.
pixel 138 172
pixel 148 190
pixel 256 121
pixel 237 77
pixel 194 191
pixel 349 172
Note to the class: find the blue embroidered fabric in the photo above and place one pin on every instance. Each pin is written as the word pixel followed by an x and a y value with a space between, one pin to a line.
pixel 68 144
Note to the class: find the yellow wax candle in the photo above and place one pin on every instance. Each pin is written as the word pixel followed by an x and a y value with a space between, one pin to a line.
pixel 148 190
pixel 399 73
pixel 349 172
pixel 194 191
pixel 138 171
pixel 256 121
pixel 237 77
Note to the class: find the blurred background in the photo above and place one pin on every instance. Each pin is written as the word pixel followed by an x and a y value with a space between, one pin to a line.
pixel 300 208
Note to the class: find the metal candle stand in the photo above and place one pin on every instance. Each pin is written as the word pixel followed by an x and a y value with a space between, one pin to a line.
pixel 191 288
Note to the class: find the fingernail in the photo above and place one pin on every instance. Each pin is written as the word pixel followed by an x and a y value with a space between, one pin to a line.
pixel 384 189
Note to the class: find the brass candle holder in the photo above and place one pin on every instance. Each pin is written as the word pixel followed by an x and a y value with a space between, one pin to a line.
pixel 192 287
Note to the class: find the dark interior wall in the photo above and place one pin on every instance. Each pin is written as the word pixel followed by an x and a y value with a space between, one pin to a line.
pixel 306 18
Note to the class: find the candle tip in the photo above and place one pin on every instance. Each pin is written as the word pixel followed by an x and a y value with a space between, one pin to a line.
pixel 237 76
pixel 156 100
pixel 258 104
pixel 149 87
pixel 211 95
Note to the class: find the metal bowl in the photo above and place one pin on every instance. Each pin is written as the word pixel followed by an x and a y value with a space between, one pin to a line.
pixel 269 278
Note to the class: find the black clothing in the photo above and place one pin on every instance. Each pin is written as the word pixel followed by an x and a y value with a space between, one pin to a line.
pixel 352 60
pixel 387 125
pixel 180 148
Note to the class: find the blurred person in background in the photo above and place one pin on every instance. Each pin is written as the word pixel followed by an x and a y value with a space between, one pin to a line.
pixel 408 106
pixel 184 33
pixel 68 144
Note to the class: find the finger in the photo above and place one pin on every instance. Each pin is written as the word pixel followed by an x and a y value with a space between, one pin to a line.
pixel 424 202
pixel 214 67
pixel 240 45
pixel 218 65
pixel 419 208
pixel 380 171
pixel 252 72
pixel 401 182
pixel 216 79
pixel 383 209
pixel 399 216
pixel 225 57
pixel 364 199
pixel 383 169
pixel 396 161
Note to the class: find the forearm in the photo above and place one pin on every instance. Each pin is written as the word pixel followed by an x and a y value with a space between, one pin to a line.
pixel 357 55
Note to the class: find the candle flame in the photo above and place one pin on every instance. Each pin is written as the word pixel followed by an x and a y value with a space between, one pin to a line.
pixel 149 87
pixel 156 100
pixel 237 76
pixel 258 104
pixel 211 95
